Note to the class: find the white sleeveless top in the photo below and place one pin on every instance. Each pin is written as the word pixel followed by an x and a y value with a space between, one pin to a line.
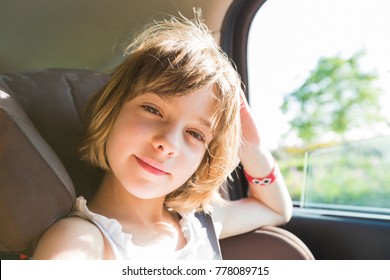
pixel 198 246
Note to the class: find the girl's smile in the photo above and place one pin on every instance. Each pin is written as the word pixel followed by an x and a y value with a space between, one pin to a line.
pixel 152 166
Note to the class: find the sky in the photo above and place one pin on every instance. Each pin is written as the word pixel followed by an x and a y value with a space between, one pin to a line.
pixel 288 37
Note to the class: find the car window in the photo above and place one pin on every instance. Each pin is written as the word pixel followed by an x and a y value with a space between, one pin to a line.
pixel 353 176
pixel 319 85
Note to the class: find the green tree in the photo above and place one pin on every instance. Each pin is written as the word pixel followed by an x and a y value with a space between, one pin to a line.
pixel 336 97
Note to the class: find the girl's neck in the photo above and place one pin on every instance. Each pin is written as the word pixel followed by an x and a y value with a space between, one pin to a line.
pixel 113 201
pixel 147 220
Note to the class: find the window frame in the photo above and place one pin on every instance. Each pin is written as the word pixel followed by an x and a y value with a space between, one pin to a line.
pixel 235 32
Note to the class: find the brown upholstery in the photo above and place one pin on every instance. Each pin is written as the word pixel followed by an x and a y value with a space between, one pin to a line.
pixel 40 171
pixel 267 243
pixel 33 181
pixel 38 151
pixel 54 100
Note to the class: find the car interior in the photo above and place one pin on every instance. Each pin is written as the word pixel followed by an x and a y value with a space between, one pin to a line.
pixel 41 120
pixel 59 54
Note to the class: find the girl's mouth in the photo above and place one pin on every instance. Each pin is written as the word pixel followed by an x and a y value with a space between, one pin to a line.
pixel 151 167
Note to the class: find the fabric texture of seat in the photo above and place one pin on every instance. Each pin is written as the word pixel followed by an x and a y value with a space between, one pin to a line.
pixel 33 180
pixel 54 100
pixel 267 243
pixel 40 128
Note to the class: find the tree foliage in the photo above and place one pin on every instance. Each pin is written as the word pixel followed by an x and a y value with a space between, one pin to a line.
pixel 336 97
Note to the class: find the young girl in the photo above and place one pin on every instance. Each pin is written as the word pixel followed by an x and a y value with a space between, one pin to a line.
pixel 168 128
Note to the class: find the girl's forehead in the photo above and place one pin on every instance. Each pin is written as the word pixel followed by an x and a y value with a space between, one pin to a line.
pixel 204 92
pixel 201 98
pixel 207 93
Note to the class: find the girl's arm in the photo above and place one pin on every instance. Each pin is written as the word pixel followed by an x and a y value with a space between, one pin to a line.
pixel 265 205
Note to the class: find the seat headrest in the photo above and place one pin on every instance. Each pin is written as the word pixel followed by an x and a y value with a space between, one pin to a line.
pixel 40 126
pixel 35 188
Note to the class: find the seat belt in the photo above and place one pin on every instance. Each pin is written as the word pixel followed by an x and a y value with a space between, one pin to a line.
pixel 207 222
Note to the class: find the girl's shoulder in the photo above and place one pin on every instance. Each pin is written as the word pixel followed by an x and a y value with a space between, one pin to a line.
pixel 71 238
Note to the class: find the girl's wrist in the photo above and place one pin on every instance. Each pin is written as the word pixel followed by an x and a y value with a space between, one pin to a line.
pixel 266 180
pixel 258 162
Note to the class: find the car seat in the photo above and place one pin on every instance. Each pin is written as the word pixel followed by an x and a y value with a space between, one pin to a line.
pixel 41 174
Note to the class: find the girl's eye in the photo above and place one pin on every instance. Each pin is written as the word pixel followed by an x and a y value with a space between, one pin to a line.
pixel 197 135
pixel 152 110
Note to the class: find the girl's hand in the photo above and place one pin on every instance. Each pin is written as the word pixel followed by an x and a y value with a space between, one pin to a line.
pixel 255 158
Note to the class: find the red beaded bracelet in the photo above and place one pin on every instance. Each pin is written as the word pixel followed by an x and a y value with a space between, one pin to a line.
pixel 263 181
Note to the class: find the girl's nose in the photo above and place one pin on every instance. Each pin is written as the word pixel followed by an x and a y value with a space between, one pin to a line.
pixel 167 142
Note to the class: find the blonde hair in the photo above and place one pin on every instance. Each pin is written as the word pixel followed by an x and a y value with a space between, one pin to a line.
pixel 174 57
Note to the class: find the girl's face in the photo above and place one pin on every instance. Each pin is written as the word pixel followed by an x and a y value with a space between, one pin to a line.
pixel 156 143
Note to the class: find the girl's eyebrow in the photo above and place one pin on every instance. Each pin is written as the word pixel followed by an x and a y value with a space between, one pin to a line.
pixel 204 122
pixel 162 98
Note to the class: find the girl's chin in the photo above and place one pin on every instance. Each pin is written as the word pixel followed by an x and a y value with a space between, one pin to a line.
pixel 147 194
